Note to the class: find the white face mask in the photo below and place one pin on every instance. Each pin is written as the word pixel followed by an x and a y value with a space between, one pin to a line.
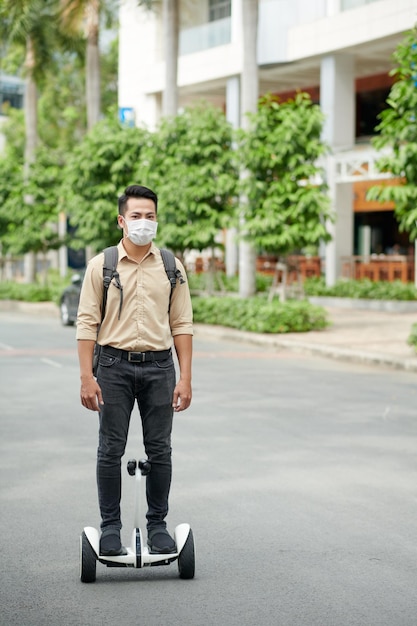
pixel 141 232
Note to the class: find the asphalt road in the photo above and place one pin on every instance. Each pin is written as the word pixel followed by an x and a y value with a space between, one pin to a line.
pixel 298 476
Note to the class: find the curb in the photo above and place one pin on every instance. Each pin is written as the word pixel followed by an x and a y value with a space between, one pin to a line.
pixel 46 309
pixel 33 308
pixel 388 306
pixel 300 345
pixel 304 347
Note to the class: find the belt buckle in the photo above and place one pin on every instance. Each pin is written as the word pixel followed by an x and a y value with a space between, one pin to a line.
pixel 136 357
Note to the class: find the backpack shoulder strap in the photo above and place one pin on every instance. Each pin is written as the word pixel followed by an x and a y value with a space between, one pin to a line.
pixel 111 258
pixel 172 272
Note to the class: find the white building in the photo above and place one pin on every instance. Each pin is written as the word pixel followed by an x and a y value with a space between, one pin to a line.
pixel 340 51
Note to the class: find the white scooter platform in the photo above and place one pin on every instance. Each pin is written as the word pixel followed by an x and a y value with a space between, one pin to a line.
pixel 138 554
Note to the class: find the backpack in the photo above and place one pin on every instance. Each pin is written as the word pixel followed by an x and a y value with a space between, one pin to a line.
pixel 111 257
pixel 110 272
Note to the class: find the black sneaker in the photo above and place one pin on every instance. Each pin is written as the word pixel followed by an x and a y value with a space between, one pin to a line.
pixel 110 544
pixel 161 542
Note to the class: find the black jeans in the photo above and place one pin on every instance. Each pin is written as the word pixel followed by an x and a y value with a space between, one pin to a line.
pixel 152 385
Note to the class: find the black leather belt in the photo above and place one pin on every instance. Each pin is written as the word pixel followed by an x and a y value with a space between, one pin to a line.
pixel 137 357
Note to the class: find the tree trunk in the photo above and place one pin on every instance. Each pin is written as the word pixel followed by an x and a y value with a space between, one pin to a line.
pixel 170 13
pixel 31 108
pixel 31 141
pixel 249 104
pixel 93 62
pixel 92 72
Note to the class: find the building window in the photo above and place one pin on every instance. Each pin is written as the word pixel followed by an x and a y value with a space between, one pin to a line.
pixel 369 104
pixel 11 92
pixel 218 9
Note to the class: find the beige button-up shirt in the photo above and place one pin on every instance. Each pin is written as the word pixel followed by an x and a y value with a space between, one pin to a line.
pixel 144 322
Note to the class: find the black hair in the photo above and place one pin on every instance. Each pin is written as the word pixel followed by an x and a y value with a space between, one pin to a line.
pixel 136 191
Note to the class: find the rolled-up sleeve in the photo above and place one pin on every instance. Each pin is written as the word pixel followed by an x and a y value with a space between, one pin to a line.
pixel 181 312
pixel 89 308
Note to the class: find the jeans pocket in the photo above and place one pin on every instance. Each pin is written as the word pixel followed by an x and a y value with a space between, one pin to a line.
pixel 107 360
pixel 165 364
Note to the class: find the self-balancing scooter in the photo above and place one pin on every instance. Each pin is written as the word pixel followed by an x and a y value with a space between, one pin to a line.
pixel 138 554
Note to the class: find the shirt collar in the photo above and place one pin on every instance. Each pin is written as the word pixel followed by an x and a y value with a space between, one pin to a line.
pixel 122 251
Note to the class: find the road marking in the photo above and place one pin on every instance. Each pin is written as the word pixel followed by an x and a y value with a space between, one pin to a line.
pixel 34 351
pixel 281 354
pixel 49 362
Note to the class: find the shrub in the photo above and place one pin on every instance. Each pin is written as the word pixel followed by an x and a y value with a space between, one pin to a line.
pixel 26 292
pixel 412 339
pixel 35 292
pixel 258 315
pixel 198 282
pixel 367 289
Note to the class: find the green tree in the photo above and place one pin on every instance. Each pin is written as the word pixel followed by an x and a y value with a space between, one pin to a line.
pixel 11 177
pixel 86 18
pixel 26 24
pixel 61 105
pixel 286 210
pixel 96 173
pixel 13 130
pixel 189 161
pixel 36 227
pixel 109 76
pixel 30 26
pixel 398 131
pixel 27 226
pixel 30 203
pixel 61 126
pixel 83 16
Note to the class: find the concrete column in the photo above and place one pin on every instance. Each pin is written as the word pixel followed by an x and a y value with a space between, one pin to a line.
pixel 232 116
pixel 236 21
pixel 332 7
pixel 337 101
pixel 233 101
pixel 148 110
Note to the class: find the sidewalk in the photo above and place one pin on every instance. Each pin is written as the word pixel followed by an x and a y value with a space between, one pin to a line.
pixel 373 337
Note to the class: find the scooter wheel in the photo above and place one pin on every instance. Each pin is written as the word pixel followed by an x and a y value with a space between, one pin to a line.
pixel 87 560
pixel 186 558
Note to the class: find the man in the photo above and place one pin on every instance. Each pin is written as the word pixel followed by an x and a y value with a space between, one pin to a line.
pixel 135 363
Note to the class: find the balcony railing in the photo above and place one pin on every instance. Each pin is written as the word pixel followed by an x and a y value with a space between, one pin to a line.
pixel 379 267
pixel 210 35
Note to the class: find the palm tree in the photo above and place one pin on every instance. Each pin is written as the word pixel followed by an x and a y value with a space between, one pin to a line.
pixel 85 14
pixel 27 24
pixel 77 14
pixel 249 104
